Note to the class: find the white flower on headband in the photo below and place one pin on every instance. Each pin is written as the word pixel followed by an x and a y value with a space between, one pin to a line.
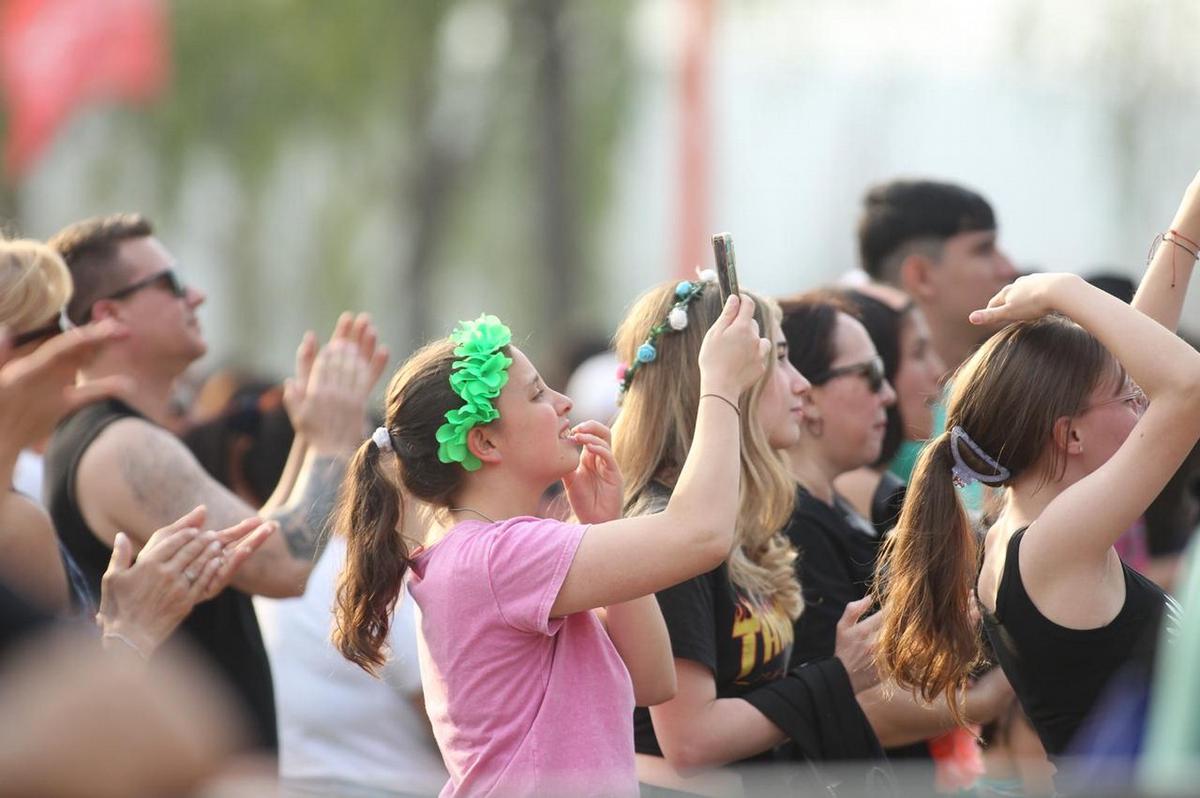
pixel 678 318
pixel 706 275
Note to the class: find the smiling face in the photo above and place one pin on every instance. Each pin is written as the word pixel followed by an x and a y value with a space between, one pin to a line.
pixel 851 416
pixel 780 408
pixel 531 433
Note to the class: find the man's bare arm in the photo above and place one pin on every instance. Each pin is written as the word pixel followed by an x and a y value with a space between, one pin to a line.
pixel 137 477
pixel 304 521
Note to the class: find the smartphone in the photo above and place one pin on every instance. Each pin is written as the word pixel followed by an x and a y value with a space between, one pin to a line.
pixel 726 267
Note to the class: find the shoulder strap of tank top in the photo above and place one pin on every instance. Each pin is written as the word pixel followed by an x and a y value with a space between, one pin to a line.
pixel 1011 572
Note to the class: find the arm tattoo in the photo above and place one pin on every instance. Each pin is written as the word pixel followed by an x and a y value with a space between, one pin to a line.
pixel 305 522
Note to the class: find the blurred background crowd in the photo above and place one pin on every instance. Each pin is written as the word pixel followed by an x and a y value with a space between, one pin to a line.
pixel 546 161
pixel 397 157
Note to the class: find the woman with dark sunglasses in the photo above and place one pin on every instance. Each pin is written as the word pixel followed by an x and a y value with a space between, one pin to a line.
pixel 901 335
pixel 845 421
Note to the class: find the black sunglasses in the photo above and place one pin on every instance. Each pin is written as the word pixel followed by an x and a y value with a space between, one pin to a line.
pixel 45 332
pixel 166 277
pixel 870 370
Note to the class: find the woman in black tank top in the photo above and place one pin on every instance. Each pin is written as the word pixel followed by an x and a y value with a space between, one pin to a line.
pixel 1049 410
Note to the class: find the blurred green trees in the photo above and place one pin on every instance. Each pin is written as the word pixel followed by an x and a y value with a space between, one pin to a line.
pixel 421 159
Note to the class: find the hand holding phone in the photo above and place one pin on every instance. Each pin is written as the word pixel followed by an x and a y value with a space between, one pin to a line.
pixel 726 267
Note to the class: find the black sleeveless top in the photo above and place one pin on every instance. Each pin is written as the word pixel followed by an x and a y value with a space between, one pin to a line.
pixel 1058 673
pixel 224 628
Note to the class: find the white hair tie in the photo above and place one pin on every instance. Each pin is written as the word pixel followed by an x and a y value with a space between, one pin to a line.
pixel 382 438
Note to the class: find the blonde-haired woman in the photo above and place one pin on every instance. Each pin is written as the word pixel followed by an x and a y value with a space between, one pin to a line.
pixel 34 287
pixel 731 628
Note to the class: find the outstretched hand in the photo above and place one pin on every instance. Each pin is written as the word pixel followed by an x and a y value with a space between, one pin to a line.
pixel 38 389
pixel 595 488
pixel 327 398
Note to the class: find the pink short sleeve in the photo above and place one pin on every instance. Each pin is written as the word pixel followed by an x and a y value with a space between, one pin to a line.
pixel 527 563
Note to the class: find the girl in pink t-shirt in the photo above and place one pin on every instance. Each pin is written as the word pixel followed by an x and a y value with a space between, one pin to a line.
pixel 529 690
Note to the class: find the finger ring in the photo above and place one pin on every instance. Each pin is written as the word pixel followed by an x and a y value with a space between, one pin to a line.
pixel 190 574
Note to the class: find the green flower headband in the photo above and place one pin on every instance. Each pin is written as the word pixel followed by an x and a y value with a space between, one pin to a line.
pixel 477 378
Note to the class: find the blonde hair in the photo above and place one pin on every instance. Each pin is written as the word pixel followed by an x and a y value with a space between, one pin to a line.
pixel 34 284
pixel 654 431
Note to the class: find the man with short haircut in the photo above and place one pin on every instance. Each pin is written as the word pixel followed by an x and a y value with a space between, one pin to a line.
pixel 937 243
pixel 113 466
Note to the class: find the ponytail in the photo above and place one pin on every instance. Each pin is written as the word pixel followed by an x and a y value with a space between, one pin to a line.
pixel 924 581
pixel 369 514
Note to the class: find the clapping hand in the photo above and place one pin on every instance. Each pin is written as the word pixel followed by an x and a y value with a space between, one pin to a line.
pixel 142 603
pixel 326 400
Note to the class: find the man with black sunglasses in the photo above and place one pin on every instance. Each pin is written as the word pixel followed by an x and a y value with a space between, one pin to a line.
pixel 112 466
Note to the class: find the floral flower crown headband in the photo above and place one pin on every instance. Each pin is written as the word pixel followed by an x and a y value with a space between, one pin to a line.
pixel 686 293
pixel 477 378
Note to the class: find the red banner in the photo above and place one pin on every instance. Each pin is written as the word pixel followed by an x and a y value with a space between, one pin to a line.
pixel 58 55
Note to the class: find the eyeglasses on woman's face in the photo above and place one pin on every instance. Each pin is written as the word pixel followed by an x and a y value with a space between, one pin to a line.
pixel 870 370
pixel 1131 394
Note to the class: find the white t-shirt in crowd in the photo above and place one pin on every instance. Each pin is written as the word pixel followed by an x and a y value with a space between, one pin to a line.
pixel 338 725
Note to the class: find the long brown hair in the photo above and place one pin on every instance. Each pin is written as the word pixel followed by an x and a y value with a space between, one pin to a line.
pixel 1007 398
pixel 383 500
pixel 654 431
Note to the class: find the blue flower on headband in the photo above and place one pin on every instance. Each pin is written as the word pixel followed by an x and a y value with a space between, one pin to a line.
pixel 686 292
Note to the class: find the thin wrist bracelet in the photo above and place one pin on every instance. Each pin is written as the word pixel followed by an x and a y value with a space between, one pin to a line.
pixel 736 409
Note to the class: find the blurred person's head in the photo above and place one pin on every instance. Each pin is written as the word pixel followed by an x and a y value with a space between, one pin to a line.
pixel 937 242
pixel 81 722
pixel 898 330
pixel 244 442
pixel 846 413
pixel 122 271
pixel 34 287
pixel 657 422
pixel 592 387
